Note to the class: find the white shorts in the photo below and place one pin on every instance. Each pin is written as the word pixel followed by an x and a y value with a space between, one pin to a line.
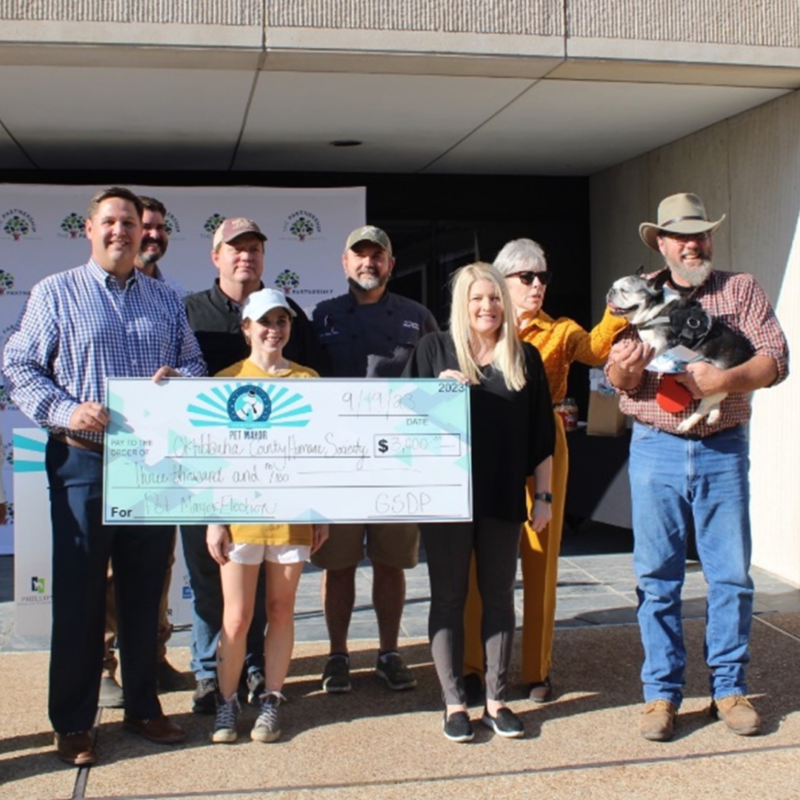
pixel 244 553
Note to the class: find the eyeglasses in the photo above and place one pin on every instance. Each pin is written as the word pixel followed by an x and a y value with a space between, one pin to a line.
pixel 688 237
pixel 544 277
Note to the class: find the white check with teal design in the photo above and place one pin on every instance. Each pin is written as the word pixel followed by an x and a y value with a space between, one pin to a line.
pixel 248 451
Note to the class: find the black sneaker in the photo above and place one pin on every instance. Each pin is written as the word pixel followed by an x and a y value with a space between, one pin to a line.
pixel 255 687
pixel 204 697
pixel 457 727
pixel 506 723
pixel 391 669
pixel 336 677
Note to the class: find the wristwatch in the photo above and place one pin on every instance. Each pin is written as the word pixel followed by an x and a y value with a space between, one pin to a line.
pixel 545 497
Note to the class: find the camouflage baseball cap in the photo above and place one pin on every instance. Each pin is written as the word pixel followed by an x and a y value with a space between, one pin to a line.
pixel 233 227
pixel 369 233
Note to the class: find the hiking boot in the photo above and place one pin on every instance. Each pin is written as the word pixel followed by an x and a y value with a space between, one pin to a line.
pixel 737 713
pixel 203 699
pixel 255 687
pixel 268 724
pixel 224 731
pixel 658 721
pixel 391 669
pixel 111 694
pixel 336 677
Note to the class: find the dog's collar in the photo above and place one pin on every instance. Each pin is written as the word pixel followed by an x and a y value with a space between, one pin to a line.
pixel 654 323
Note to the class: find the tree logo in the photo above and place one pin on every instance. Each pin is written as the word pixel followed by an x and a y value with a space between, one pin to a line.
pixel 212 223
pixel 6 281
pixel 17 223
pixel 302 225
pixel 173 226
pixel 73 226
pixel 287 280
pixel 5 400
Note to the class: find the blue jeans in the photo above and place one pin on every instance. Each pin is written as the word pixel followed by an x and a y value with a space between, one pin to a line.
pixel 207 608
pixel 680 485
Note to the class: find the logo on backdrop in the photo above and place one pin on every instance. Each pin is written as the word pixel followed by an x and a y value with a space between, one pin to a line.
pixel 38 592
pixel 73 226
pixel 249 406
pixel 5 400
pixel 17 223
pixel 211 224
pixel 6 281
pixel 302 225
pixel 287 280
pixel 171 224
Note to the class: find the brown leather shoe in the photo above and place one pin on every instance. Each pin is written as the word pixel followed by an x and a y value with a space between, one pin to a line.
pixel 737 713
pixel 658 721
pixel 161 730
pixel 76 749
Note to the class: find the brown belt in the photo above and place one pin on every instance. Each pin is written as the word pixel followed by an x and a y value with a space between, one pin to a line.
pixel 83 444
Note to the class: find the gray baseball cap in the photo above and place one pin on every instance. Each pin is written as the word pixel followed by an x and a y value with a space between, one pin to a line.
pixel 369 233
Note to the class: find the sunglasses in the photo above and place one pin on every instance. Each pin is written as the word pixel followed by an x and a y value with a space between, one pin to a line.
pixel 544 276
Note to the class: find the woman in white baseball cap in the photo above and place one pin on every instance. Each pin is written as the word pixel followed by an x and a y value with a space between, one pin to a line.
pixel 241 549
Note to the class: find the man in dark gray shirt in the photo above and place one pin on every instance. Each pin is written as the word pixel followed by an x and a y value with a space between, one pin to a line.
pixel 368 332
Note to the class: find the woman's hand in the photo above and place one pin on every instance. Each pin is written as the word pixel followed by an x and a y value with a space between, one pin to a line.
pixel 540 515
pixel 321 533
pixel 218 542
pixel 453 375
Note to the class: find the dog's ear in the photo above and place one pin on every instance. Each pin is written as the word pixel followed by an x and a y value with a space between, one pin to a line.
pixel 640 271
pixel 660 279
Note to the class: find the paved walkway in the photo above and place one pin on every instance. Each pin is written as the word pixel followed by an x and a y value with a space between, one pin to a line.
pixel 378 744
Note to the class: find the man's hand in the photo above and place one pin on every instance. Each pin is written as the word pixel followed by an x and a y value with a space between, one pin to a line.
pixel 89 417
pixel 321 533
pixel 701 379
pixel 165 372
pixel 627 361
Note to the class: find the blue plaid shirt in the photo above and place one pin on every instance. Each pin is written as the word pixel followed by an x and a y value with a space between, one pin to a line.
pixel 80 327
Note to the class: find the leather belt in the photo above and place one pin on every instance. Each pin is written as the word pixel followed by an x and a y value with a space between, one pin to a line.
pixel 83 444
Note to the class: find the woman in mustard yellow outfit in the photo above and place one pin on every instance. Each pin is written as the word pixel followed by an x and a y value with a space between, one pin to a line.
pixel 560 342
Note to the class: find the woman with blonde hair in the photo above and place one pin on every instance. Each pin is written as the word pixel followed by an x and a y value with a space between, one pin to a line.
pixel 512 436
pixel 560 342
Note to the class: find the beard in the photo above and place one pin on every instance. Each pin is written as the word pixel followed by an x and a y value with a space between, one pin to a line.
pixel 693 276
pixel 368 282
pixel 150 257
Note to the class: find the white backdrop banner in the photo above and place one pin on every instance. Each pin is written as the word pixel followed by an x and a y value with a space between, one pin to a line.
pixel 41 232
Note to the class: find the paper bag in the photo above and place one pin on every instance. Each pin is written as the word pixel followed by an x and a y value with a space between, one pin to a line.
pixel 604 418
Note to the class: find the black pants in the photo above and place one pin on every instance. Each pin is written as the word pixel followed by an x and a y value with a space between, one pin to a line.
pixel 449 547
pixel 82 546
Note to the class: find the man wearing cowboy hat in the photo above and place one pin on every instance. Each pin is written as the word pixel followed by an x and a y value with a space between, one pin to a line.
pixel 696 482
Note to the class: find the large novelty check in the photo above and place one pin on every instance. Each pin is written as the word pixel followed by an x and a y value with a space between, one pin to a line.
pixel 240 450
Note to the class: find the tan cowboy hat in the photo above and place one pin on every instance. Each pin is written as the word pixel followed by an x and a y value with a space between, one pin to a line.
pixel 679 213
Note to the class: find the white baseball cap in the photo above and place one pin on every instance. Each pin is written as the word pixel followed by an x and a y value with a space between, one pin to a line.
pixel 262 302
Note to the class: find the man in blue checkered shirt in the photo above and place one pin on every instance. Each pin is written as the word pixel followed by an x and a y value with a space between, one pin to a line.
pixel 79 327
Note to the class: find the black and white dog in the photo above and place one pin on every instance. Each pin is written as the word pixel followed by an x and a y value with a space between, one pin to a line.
pixel 666 322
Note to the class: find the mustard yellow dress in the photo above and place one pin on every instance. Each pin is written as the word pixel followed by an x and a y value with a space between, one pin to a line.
pixel 560 342
pixel 270 533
